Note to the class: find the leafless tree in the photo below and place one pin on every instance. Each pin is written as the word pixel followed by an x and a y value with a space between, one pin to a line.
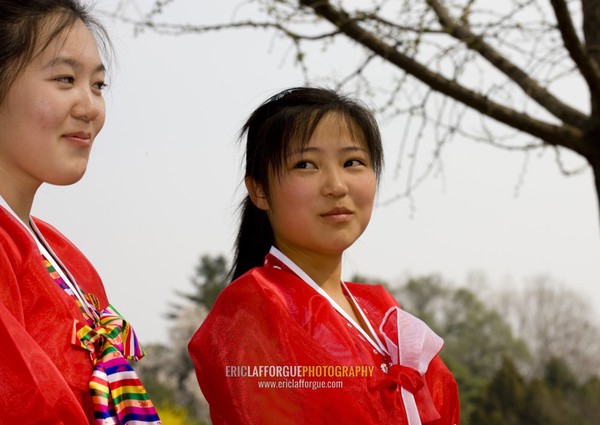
pixel 555 322
pixel 527 71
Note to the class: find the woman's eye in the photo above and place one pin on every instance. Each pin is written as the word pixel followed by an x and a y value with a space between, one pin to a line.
pixel 100 85
pixel 65 79
pixel 304 165
pixel 353 163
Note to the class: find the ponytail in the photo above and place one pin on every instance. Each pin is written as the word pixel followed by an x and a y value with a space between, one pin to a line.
pixel 254 239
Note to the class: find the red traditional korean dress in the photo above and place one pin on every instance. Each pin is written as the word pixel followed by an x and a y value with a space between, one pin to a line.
pixel 276 349
pixel 63 348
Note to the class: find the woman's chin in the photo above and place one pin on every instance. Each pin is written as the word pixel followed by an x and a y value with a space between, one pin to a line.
pixel 66 179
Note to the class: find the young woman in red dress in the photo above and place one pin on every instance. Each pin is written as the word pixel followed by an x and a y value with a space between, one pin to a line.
pixel 63 349
pixel 288 341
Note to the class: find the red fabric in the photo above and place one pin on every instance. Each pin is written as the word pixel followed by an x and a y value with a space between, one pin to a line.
pixel 43 377
pixel 270 317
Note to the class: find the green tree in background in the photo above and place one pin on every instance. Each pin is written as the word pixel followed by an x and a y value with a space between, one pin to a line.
pixel 590 391
pixel 554 399
pixel 210 277
pixel 504 399
pixel 566 400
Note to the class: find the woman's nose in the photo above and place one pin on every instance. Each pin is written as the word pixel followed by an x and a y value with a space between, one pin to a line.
pixel 89 106
pixel 334 184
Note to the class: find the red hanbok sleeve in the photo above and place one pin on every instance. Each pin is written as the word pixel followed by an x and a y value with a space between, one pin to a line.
pixel 32 390
pixel 444 392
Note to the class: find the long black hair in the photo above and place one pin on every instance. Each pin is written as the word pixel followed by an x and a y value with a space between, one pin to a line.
pixel 290 116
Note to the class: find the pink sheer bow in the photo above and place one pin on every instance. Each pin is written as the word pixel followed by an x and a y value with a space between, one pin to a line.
pixel 412 345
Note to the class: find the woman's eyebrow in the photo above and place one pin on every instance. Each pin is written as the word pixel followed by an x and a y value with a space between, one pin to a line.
pixel 354 148
pixel 72 63
pixel 344 149
pixel 303 150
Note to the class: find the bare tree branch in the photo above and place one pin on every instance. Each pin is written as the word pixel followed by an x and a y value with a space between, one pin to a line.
pixel 587 65
pixel 531 87
pixel 564 135
pixel 178 29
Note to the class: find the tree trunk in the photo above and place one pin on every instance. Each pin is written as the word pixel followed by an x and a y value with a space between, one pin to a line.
pixel 591 31
pixel 595 164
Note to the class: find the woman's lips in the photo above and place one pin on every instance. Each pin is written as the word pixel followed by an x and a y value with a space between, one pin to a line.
pixel 338 215
pixel 79 137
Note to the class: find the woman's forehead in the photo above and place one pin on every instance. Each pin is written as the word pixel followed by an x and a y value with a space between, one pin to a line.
pixel 333 121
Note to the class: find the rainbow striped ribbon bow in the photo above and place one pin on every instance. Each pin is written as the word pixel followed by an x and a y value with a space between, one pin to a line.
pixel 118 396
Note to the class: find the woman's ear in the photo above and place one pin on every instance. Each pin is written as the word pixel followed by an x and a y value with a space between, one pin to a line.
pixel 257 194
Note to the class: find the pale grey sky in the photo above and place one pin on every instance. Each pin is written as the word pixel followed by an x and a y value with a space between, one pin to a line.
pixel 164 182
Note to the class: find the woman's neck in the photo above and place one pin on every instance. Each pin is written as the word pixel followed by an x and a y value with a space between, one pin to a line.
pixel 19 201
pixel 324 270
pixel 326 274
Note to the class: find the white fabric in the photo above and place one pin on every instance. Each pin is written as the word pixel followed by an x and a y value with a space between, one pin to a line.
pixel 417 346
